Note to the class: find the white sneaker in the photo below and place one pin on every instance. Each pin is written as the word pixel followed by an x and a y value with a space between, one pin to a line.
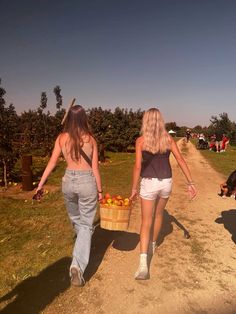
pixel 142 273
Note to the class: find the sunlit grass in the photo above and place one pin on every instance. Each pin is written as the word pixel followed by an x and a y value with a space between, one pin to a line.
pixel 32 236
pixel 117 173
pixel 224 162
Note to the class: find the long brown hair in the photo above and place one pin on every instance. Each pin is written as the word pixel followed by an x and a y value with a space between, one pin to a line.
pixel 76 125
pixel 156 138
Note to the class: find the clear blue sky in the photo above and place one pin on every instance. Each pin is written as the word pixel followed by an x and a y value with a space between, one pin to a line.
pixel 178 55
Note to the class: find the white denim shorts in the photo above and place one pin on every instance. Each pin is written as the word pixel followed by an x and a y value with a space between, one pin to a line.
pixel 151 188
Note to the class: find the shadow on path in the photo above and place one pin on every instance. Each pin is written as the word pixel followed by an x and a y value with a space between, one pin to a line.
pixel 33 294
pixel 167 227
pixel 228 219
pixel 102 239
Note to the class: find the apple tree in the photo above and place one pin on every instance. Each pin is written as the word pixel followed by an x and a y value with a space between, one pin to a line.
pixel 8 132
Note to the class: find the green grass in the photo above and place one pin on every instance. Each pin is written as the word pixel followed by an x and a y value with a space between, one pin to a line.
pixel 33 236
pixel 224 163
pixel 117 173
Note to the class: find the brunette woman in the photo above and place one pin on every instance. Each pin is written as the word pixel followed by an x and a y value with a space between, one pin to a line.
pixel 81 184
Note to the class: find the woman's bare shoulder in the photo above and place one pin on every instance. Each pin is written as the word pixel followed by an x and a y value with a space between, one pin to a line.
pixel 139 140
pixel 91 139
pixel 62 138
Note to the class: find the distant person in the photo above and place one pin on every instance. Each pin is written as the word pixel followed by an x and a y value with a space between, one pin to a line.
pixel 152 163
pixel 228 188
pixel 202 142
pixel 81 184
pixel 218 140
pixel 224 144
pixel 188 135
pixel 212 144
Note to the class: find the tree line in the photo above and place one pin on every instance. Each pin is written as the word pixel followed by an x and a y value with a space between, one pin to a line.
pixel 34 131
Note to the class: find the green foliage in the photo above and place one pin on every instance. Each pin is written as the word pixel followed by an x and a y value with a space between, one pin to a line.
pixel 222 124
pixel 172 126
pixel 56 126
pixel 43 100
pixel 57 92
pixel 8 132
pixel 35 131
pixel 116 130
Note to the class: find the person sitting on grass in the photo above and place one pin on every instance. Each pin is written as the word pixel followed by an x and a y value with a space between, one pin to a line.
pixel 202 142
pixel 225 142
pixel 228 188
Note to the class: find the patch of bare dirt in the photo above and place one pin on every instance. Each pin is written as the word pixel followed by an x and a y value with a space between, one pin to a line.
pixel 16 192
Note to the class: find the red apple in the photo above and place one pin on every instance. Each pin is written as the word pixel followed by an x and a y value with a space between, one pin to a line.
pixel 107 195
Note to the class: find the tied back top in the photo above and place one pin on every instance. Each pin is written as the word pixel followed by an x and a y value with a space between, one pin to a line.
pixel 156 165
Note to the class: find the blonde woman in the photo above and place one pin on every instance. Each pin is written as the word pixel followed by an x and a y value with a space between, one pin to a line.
pixel 81 184
pixel 152 163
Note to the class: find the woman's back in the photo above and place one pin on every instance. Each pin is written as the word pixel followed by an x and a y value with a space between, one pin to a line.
pixel 72 163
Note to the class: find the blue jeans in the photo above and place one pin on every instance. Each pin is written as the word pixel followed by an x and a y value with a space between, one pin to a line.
pixel 80 194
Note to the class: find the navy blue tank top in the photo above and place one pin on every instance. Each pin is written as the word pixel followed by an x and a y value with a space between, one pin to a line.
pixel 156 165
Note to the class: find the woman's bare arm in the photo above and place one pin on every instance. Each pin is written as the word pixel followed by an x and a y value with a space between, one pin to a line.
pixel 51 164
pixel 95 167
pixel 184 167
pixel 137 166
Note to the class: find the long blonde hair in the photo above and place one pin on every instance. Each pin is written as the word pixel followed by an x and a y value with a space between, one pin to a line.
pixel 156 138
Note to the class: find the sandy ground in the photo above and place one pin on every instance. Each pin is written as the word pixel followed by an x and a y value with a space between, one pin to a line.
pixel 195 275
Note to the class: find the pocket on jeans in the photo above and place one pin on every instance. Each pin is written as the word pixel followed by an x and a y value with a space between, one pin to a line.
pixel 88 189
pixel 64 184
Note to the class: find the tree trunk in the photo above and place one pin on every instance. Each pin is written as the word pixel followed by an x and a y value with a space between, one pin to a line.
pixel 5 173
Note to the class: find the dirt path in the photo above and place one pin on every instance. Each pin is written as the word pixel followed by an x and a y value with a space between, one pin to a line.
pixel 195 275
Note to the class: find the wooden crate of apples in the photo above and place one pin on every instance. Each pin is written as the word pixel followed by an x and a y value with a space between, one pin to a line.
pixel 114 212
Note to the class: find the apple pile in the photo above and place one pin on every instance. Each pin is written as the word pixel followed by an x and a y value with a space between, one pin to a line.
pixel 115 200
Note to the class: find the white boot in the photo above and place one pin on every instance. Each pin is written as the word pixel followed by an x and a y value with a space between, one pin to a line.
pixel 142 272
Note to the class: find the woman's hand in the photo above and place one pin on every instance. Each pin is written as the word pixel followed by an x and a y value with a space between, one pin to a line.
pixel 38 194
pixel 100 196
pixel 133 195
pixel 192 191
pixel 39 188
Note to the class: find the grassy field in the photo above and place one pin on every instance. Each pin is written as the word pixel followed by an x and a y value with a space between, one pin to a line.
pixel 33 236
pixel 224 162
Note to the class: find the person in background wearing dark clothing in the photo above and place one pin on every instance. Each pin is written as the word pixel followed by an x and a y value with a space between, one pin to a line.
pixel 212 145
pixel 188 135
pixel 218 141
